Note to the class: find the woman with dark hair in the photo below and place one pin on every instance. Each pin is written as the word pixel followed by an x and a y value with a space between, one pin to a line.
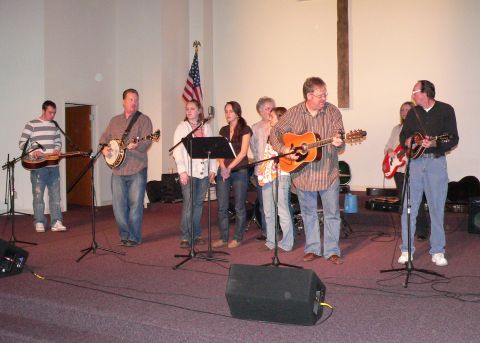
pixel 238 134
pixel 199 178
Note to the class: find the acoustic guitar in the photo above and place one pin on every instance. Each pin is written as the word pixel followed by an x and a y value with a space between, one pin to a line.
pixel 48 160
pixel 308 147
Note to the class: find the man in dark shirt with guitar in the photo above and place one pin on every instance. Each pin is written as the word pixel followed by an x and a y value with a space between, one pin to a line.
pixel 430 129
pixel 321 176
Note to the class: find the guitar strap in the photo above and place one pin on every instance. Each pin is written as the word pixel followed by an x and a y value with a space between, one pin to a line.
pixel 420 122
pixel 130 125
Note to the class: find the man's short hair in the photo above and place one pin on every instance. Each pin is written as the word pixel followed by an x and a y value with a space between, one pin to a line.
pixel 48 103
pixel 428 88
pixel 310 84
pixel 130 90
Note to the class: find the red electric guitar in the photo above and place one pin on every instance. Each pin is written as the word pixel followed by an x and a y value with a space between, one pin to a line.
pixel 392 163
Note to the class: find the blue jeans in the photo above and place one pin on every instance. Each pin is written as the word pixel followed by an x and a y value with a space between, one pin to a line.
pixel 331 215
pixel 128 192
pixel 263 221
pixel 200 187
pixel 238 180
pixel 284 212
pixel 46 177
pixel 427 175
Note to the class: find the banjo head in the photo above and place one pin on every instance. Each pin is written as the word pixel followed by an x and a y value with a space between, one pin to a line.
pixel 117 154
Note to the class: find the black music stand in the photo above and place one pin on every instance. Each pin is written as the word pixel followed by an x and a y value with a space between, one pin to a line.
pixel 201 148
pixel 409 268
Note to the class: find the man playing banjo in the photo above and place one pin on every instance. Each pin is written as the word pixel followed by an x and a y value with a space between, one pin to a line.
pixel 129 176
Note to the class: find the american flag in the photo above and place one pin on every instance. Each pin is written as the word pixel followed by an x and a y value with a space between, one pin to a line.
pixel 193 88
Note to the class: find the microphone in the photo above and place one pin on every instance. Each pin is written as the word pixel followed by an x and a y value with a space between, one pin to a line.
pixel 211 111
pixel 211 114
pixel 40 146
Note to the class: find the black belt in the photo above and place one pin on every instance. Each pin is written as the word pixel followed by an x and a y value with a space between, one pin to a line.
pixel 431 155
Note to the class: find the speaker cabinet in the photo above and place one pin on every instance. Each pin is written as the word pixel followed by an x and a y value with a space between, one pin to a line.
pixel 12 259
pixel 474 215
pixel 273 294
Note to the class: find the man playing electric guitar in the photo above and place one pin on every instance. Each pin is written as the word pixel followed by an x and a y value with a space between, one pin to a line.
pixel 428 173
pixel 321 176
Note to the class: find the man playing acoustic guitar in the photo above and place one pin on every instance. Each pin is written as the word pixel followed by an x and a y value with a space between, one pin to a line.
pixel 321 176
pixel 428 171
pixel 43 134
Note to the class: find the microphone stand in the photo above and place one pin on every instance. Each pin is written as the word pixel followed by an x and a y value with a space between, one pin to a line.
pixel 275 260
pixel 94 245
pixel 409 268
pixel 73 145
pixel 192 253
pixel 10 166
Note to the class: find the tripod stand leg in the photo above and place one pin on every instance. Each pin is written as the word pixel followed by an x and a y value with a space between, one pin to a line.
pixel 346 228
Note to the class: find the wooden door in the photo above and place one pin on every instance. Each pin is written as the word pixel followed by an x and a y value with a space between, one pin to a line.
pixel 78 128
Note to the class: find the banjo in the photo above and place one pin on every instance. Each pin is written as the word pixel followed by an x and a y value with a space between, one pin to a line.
pixel 118 149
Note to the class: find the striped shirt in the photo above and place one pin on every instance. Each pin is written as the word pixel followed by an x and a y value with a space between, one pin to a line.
pixel 42 132
pixel 317 175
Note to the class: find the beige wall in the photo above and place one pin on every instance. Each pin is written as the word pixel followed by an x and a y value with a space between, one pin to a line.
pixel 250 48
pixel 269 47
pixel 22 84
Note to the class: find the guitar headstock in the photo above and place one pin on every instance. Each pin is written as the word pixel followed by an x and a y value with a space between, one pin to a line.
pixel 444 138
pixel 355 136
pixel 155 136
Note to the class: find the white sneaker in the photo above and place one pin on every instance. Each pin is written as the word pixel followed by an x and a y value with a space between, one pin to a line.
pixel 58 226
pixel 404 258
pixel 39 227
pixel 439 259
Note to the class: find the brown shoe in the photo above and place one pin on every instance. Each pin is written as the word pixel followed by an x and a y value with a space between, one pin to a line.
pixel 234 244
pixel 309 257
pixel 184 244
pixel 219 243
pixel 335 259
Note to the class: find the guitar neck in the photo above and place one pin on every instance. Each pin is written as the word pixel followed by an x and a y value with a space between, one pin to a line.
pixel 320 143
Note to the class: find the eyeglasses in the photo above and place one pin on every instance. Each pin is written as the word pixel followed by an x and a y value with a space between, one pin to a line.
pixel 320 96
pixel 417 91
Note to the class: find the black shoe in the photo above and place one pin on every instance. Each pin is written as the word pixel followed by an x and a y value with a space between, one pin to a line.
pixel 421 238
pixel 261 238
pixel 131 244
pixel 123 242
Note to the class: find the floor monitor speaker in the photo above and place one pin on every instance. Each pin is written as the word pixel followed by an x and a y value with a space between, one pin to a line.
pixel 12 259
pixel 474 215
pixel 273 294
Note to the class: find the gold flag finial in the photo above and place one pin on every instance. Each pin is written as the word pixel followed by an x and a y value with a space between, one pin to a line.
pixel 196 44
